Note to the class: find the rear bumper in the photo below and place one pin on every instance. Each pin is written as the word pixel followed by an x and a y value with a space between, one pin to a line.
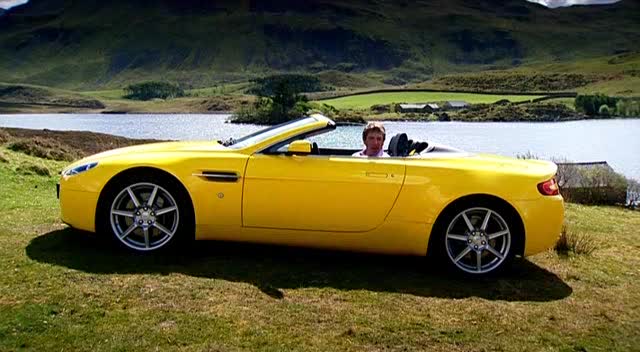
pixel 543 219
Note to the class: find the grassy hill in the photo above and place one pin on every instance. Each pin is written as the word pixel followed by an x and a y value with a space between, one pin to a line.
pixel 90 44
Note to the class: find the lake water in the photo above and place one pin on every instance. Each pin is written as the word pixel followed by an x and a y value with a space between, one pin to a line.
pixel 616 141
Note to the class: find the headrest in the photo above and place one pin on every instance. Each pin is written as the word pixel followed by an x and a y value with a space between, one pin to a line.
pixel 399 145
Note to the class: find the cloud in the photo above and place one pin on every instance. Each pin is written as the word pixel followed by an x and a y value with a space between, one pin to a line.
pixel 6 4
pixel 563 3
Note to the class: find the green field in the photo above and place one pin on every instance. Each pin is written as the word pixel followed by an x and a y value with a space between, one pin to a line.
pixel 62 289
pixel 365 101
pixel 105 94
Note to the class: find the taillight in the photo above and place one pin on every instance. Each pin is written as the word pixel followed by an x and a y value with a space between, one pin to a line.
pixel 549 188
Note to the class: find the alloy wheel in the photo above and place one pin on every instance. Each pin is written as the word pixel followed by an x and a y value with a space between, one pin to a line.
pixel 144 216
pixel 478 240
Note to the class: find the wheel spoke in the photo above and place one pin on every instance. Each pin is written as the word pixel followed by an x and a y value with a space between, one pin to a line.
pixel 133 197
pixel 456 237
pixel 165 210
pixel 467 221
pixel 486 221
pixel 146 237
pixel 464 252
pixel 497 234
pixel 479 261
pixel 152 196
pixel 496 253
pixel 162 228
pixel 129 230
pixel 128 214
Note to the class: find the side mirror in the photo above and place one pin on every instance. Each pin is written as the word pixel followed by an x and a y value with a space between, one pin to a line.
pixel 299 147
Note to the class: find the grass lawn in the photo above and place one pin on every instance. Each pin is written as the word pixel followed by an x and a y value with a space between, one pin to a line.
pixel 366 100
pixel 61 289
pixel 105 94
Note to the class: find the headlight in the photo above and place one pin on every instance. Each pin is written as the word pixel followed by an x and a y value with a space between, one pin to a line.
pixel 79 169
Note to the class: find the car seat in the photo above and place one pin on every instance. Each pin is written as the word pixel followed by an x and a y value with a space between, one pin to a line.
pixel 399 145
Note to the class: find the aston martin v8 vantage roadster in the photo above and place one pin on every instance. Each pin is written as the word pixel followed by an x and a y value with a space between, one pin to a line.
pixel 473 212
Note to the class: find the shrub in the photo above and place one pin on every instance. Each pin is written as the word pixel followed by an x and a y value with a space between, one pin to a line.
pixel 604 110
pixel 592 104
pixel 380 108
pixel 4 136
pixel 259 112
pixel 44 148
pixel 30 169
pixel 628 107
pixel 577 243
pixel 152 90
pixel 3 158
pixel 324 109
pixel 528 155
pixel 567 173
pixel 283 105
pixel 394 81
pixel 602 184
pixel 594 185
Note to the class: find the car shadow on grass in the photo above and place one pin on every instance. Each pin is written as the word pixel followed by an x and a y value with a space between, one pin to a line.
pixel 273 268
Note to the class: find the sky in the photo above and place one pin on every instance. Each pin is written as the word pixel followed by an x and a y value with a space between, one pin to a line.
pixel 5 4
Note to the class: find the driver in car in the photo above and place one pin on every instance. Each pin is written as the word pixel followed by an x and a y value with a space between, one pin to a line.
pixel 373 137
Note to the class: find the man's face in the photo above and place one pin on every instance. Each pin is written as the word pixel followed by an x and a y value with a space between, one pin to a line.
pixel 374 142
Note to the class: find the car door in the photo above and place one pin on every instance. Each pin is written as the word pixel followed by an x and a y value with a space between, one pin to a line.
pixel 321 193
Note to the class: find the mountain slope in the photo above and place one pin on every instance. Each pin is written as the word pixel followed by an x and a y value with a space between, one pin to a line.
pixel 91 43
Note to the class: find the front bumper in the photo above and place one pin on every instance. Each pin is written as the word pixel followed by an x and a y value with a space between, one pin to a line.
pixel 78 208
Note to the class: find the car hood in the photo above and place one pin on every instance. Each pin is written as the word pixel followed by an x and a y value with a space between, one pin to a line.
pixel 163 147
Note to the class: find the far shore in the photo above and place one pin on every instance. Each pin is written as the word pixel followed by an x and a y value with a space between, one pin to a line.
pixel 476 113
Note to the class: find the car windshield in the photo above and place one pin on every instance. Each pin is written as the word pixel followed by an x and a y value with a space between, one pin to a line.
pixel 266 133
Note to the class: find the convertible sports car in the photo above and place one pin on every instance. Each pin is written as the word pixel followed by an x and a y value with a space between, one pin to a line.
pixel 472 212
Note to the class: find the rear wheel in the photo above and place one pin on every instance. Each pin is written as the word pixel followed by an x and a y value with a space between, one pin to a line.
pixel 146 212
pixel 477 239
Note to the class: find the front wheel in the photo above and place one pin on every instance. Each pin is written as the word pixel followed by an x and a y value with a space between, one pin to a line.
pixel 477 240
pixel 145 213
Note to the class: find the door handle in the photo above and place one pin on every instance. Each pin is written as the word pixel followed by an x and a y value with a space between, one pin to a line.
pixel 377 174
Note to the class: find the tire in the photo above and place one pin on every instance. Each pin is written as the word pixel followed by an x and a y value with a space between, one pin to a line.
pixel 146 212
pixel 476 238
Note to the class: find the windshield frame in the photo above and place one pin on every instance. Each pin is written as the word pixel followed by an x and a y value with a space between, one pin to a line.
pixel 273 149
pixel 270 132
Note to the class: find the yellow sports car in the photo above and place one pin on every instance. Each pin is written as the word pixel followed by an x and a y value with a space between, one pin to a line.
pixel 473 212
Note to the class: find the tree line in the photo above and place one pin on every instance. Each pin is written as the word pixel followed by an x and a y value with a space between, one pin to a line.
pixel 602 105
pixel 153 90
